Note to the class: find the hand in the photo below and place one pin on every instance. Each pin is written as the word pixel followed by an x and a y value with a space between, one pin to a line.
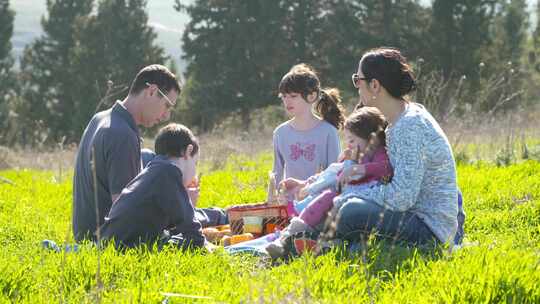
pixel 352 171
pixel 291 188
pixel 211 234
pixel 292 183
pixel 311 179
pixel 210 247
pixel 345 154
pixel 193 193
pixel 302 193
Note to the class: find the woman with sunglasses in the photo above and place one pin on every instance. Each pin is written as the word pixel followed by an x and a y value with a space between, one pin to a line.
pixel 419 205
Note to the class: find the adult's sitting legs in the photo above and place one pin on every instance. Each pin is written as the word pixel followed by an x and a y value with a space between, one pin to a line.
pixel 358 217
pixel 460 233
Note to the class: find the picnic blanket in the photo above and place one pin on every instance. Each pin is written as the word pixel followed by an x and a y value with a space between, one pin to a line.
pixel 255 247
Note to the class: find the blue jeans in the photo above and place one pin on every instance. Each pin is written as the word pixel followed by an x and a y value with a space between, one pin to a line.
pixel 460 233
pixel 212 216
pixel 357 218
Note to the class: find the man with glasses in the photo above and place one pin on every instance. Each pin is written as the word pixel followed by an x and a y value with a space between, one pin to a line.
pixel 109 154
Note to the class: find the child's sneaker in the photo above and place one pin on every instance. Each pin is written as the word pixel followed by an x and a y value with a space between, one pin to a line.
pixel 297 226
pixel 276 249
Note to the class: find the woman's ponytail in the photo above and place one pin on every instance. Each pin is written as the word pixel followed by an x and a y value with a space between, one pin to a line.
pixel 329 107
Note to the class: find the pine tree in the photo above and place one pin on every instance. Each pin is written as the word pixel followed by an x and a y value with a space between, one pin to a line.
pixel 354 26
pixel 443 33
pixel 536 33
pixel 512 28
pixel 6 32
pixel 344 38
pixel 6 63
pixel 112 47
pixel 533 67
pixel 6 60
pixel 303 28
pixel 238 50
pixel 236 53
pixel 70 68
pixel 505 53
pixel 49 93
pixel 459 31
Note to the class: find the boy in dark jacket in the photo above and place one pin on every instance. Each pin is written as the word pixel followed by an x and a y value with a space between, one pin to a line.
pixel 155 206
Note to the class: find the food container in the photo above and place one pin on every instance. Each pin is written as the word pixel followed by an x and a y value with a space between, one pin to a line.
pixel 235 239
pixel 275 214
pixel 253 224
pixel 270 227
pixel 226 241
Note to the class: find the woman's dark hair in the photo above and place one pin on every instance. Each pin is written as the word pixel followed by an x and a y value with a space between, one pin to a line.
pixel 391 69
pixel 303 79
pixel 367 123
pixel 173 140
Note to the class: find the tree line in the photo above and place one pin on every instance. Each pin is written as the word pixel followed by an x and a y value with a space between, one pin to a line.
pixel 237 51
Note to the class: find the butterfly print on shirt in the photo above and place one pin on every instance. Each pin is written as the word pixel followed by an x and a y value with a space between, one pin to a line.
pixel 307 151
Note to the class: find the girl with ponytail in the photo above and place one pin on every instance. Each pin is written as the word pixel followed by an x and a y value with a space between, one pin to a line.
pixel 365 146
pixel 308 142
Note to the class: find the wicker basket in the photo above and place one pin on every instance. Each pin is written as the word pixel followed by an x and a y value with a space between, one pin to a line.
pixel 274 216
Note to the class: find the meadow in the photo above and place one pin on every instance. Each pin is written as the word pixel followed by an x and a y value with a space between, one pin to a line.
pixel 499 263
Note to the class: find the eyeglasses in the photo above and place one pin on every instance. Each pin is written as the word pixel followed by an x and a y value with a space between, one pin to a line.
pixel 170 104
pixel 356 78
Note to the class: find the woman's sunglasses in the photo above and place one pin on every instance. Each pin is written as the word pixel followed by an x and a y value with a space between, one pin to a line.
pixel 356 78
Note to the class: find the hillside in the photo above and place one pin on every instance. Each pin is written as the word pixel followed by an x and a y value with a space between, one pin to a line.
pixel 168 23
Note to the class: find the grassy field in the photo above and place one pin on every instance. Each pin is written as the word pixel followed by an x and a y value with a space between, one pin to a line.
pixel 502 264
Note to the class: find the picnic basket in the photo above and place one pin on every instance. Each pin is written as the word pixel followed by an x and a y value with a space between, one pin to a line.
pixel 274 216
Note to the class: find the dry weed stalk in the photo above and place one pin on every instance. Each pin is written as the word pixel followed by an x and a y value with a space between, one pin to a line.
pixel 99 283
pixel 112 90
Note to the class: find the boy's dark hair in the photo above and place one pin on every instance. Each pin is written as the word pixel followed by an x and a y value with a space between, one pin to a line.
pixel 367 123
pixel 173 140
pixel 155 74
pixel 303 79
pixel 391 69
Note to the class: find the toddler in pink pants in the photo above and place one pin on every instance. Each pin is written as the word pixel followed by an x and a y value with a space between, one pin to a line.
pixel 365 156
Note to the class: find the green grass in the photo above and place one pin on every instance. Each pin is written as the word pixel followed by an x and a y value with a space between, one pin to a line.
pixel 503 265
